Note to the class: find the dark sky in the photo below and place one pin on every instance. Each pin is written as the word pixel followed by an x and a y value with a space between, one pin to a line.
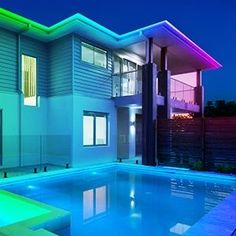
pixel 209 23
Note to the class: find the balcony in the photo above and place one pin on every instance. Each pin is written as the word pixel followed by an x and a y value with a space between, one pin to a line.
pixel 182 92
pixel 183 97
pixel 127 84
pixel 127 89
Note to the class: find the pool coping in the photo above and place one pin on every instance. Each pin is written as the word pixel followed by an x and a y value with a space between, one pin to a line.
pixel 211 224
pixel 151 169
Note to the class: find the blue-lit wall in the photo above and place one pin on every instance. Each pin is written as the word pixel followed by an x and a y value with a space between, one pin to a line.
pixel 52 132
pixel 91 80
pixel 59 130
pixel 60 66
pixel 93 155
pixel 9 103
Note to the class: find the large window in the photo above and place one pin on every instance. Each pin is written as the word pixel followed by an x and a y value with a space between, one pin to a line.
pixel 94 129
pixel 29 80
pixel 93 55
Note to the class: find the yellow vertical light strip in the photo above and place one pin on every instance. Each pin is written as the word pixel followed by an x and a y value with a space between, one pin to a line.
pixel 29 79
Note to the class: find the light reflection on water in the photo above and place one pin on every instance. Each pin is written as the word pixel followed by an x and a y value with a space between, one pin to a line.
pixel 124 203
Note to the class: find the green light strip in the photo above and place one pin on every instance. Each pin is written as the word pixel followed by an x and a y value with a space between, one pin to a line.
pixel 23 216
pixel 23 20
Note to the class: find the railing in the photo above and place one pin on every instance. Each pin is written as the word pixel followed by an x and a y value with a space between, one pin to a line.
pixel 128 83
pixel 182 92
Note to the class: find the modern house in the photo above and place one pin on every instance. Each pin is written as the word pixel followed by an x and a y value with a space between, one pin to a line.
pixel 81 94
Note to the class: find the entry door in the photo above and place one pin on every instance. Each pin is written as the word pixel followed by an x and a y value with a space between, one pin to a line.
pixel 138 141
pixel 0 137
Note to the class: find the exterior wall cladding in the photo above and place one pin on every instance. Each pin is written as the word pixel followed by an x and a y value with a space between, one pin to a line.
pixel 66 87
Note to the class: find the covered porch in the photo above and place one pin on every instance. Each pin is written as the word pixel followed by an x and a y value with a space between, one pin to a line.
pixel 166 81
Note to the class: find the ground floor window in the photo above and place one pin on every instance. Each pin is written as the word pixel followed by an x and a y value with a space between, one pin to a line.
pixel 94 128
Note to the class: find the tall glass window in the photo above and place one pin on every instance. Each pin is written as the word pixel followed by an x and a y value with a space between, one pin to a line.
pixel 93 55
pixel 94 129
pixel 29 80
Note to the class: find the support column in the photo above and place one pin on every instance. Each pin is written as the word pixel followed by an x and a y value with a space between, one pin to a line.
pixel 149 108
pixel 164 86
pixel 199 93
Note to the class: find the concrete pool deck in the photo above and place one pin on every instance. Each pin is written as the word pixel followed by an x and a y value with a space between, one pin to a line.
pixel 26 170
pixel 220 221
pixel 26 217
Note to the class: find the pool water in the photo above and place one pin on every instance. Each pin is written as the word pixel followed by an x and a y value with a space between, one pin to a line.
pixel 125 202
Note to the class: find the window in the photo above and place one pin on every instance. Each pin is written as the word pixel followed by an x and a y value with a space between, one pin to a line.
pixel 93 55
pixel 94 129
pixel 29 80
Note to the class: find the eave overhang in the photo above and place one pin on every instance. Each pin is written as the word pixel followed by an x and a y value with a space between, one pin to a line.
pixel 163 33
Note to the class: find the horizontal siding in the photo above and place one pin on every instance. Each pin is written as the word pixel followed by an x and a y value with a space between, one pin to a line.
pixel 60 66
pixel 39 50
pixel 91 80
pixel 8 61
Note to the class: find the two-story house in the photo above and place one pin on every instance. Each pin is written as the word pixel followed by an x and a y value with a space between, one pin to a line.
pixel 81 94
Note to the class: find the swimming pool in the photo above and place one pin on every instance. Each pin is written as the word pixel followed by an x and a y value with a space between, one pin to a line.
pixel 124 200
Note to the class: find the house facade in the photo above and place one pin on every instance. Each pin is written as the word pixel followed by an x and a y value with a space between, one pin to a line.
pixel 77 93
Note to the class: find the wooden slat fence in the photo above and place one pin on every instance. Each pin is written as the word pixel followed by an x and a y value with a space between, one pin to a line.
pixel 181 142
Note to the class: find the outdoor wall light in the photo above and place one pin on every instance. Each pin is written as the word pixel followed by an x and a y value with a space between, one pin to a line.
pixel 132 123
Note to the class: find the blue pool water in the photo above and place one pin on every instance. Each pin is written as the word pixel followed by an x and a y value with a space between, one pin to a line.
pixel 125 202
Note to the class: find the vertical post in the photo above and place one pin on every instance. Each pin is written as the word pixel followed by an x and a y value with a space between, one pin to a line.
pixel 149 108
pixel 41 150
pixel 121 92
pixel 149 51
pixel 20 95
pixel 203 142
pixel 163 61
pixel 199 93
pixel 164 86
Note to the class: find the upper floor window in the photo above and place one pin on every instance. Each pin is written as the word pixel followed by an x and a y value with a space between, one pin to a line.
pixel 29 80
pixel 93 55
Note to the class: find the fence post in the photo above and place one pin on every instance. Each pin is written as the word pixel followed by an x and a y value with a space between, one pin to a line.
pixel 203 140
pixel 40 150
pixel 156 143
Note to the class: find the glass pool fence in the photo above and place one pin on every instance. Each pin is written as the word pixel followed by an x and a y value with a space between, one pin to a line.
pixel 27 154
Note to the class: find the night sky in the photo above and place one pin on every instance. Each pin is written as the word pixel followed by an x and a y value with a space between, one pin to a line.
pixel 209 23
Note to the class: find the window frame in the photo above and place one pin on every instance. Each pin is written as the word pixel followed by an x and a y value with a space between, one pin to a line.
pixel 36 82
pixel 94 49
pixel 94 115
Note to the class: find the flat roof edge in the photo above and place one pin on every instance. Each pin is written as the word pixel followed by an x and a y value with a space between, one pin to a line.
pixel 136 35
pixel 191 44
